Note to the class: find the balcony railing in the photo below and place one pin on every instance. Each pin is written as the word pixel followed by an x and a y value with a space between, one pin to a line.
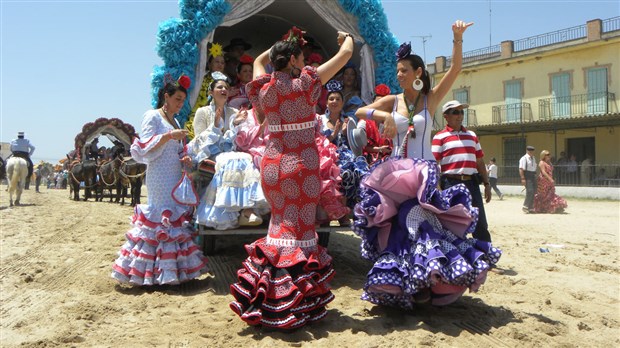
pixel 469 120
pixel 512 113
pixel 611 24
pixel 479 54
pixel 558 36
pixel 564 175
pixel 579 105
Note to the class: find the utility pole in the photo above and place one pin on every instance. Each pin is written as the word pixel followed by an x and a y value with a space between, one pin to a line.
pixel 424 39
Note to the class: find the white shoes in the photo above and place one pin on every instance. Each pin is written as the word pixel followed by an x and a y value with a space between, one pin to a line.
pixel 252 220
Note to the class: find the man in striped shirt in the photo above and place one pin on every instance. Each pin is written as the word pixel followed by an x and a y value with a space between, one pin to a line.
pixel 460 156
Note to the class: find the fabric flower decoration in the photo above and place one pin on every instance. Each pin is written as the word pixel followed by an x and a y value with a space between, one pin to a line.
pixel 246 59
pixel 315 58
pixel 404 51
pixel 216 75
pixel 333 86
pixel 216 50
pixel 295 35
pixel 184 81
pixel 382 90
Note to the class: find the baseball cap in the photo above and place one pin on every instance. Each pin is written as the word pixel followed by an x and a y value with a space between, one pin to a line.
pixel 453 104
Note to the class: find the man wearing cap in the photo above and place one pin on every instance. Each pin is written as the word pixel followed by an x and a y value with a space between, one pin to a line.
pixel 460 156
pixel 527 171
pixel 21 147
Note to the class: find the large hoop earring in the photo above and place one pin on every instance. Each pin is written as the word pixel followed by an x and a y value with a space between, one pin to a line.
pixel 295 74
pixel 417 84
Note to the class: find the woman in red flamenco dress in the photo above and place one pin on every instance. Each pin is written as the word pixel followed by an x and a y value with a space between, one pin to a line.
pixel 546 201
pixel 284 282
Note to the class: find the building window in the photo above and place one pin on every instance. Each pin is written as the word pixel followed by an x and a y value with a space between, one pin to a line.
pixel 597 91
pixel 462 95
pixel 513 96
pixel 560 95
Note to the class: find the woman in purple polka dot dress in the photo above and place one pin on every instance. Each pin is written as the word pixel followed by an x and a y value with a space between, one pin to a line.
pixel 417 236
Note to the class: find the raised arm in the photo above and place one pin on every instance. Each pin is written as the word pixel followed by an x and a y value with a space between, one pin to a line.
pixel 260 64
pixel 327 70
pixel 444 86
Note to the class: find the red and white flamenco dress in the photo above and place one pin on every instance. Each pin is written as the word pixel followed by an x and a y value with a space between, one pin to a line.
pixel 284 282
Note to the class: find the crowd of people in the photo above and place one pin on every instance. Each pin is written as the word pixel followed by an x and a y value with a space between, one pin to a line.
pixel 288 139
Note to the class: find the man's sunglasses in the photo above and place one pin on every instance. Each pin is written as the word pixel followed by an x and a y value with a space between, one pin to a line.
pixel 456 112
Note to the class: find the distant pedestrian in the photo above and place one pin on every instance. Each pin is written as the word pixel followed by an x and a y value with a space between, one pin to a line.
pixel 492 170
pixel 527 171
pixel 37 179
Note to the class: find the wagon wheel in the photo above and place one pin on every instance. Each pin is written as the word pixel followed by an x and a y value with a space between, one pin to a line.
pixel 208 246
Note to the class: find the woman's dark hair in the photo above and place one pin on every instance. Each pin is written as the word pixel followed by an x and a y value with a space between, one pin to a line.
pixel 281 53
pixel 170 88
pixel 216 80
pixel 240 66
pixel 417 62
pixel 337 92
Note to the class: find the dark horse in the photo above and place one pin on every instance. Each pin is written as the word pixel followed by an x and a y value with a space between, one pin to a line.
pixel 2 169
pixel 133 173
pixel 109 178
pixel 84 171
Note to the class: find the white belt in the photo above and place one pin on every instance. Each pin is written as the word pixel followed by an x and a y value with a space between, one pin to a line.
pixel 291 126
pixel 291 242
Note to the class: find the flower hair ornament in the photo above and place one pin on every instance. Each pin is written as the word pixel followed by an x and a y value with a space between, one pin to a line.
pixel 183 80
pixel 333 86
pixel 295 35
pixel 315 58
pixel 382 90
pixel 216 75
pixel 403 52
pixel 246 59
pixel 216 50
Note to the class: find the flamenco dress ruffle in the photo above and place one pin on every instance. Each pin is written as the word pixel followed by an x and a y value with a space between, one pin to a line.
pixel 416 236
pixel 331 205
pixel 159 247
pixel 283 286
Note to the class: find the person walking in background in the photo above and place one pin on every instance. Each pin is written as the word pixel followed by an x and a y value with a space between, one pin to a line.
pixel 571 170
pixel 527 172
pixel 284 281
pixel 492 170
pixel 37 178
pixel 586 171
pixel 545 200
pixel 461 159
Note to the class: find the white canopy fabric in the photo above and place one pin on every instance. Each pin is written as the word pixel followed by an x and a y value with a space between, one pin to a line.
pixel 286 12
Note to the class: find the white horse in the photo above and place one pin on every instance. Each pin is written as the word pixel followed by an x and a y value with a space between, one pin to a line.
pixel 17 170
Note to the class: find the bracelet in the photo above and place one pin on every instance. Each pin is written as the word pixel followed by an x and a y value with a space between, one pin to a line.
pixel 349 35
pixel 369 114
pixel 457 41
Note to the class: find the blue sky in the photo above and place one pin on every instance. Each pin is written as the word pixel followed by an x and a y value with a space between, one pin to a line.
pixel 65 63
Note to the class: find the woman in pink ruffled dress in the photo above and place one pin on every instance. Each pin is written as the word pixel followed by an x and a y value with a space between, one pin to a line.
pixel 545 200
pixel 159 248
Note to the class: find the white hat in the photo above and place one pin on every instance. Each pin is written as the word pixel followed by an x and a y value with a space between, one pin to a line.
pixel 356 136
pixel 20 134
pixel 453 104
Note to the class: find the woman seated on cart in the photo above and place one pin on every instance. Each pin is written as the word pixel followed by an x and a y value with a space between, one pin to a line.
pixel 234 196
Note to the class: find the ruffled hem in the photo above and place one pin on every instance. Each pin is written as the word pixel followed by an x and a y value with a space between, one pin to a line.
pixel 284 298
pixel 159 254
pixel 418 255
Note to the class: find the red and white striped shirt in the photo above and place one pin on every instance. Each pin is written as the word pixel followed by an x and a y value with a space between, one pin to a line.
pixel 457 151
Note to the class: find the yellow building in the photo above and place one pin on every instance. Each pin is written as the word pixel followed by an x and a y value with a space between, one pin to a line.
pixel 557 91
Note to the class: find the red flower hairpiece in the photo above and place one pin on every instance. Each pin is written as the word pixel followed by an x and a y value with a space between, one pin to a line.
pixel 382 90
pixel 315 58
pixel 295 35
pixel 246 59
pixel 184 81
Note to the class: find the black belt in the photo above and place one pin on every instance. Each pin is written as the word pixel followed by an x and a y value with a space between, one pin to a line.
pixel 461 177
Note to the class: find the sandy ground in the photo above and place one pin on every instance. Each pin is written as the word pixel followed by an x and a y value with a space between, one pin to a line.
pixel 57 290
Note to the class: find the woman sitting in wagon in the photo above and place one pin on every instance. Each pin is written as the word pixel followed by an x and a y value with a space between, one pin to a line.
pixel 234 196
